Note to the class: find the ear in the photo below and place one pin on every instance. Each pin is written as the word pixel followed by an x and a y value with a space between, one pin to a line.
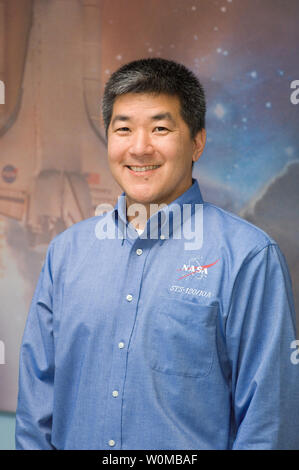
pixel 199 144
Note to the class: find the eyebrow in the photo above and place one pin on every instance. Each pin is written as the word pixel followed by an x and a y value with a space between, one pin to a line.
pixel 162 116
pixel 156 117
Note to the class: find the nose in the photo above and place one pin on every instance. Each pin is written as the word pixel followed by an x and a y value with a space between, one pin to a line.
pixel 141 144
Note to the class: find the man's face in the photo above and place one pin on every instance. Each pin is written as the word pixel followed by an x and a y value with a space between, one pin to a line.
pixel 150 150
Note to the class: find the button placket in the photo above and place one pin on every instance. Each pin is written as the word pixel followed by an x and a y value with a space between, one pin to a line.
pixel 124 329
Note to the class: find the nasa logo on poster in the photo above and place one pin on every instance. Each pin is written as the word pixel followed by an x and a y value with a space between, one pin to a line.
pixel 9 173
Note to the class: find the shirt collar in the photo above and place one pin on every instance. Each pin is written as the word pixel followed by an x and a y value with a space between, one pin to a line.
pixel 157 222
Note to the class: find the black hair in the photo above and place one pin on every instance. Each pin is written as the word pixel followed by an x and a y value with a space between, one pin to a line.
pixel 156 75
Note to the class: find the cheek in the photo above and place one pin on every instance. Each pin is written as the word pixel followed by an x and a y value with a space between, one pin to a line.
pixel 114 152
pixel 170 149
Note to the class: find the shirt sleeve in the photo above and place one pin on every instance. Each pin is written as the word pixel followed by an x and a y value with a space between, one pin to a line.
pixel 36 369
pixel 259 331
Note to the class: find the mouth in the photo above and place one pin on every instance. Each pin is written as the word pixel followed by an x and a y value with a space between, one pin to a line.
pixel 143 169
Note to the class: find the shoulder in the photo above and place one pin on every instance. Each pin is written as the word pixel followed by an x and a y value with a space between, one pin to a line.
pixel 75 241
pixel 233 232
pixel 80 231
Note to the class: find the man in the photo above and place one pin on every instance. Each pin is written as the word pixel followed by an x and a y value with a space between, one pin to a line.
pixel 137 337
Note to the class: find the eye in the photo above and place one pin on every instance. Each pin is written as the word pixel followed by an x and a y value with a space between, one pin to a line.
pixel 122 130
pixel 161 129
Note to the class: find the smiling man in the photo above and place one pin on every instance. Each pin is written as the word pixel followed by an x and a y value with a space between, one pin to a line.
pixel 140 342
pixel 150 148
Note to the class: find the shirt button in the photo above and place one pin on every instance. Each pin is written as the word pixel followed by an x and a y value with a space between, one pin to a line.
pixel 121 345
pixel 129 297
pixel 139 251
pixel 115 393
pixel 111 443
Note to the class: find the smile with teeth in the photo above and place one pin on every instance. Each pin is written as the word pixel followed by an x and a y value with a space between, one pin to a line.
pixel 143 168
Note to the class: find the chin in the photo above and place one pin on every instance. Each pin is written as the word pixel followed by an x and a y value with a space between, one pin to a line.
pixel 141 197
pixel 140 200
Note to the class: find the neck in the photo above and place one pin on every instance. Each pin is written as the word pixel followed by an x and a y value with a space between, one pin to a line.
pixel 138 214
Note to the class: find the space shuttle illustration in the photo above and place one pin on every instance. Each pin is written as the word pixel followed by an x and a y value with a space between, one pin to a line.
pixel 53 162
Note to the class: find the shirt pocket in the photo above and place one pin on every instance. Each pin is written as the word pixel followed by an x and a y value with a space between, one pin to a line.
pixel 183 338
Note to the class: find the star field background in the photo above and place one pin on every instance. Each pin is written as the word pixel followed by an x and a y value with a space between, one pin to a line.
pixel 244 52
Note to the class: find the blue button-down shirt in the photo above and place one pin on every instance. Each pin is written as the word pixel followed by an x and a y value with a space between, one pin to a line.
pixel 143 343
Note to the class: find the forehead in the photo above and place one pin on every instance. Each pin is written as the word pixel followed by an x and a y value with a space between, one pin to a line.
pixel 146 103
